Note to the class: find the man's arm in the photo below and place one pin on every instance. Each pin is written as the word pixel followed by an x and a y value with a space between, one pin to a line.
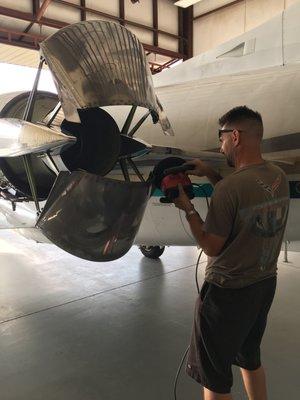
pixel 210 243
pixel 202 169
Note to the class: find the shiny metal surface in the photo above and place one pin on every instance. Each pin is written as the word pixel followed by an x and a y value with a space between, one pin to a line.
pixel 18 137
pixel 99 63
pixel 92 217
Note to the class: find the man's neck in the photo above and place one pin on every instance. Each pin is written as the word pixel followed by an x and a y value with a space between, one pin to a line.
pixel 247 162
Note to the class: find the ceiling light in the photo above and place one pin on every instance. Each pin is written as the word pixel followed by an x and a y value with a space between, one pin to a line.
pixel 185 3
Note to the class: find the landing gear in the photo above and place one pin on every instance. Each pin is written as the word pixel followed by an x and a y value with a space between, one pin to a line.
pixel 153 252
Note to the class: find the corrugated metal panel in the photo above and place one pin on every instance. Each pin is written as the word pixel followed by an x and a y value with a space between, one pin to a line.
pixel 20 5
pixel 42 30
pixel 168 16
pixel 56 12
pixel 110 7
pixel 167 42
pixel 17 55
pixel 205 6
pixel 139 12
pixel 143 35
pixel 12 23
pixel 65 14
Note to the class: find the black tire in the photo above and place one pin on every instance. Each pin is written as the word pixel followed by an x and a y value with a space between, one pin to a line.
pixel 153 252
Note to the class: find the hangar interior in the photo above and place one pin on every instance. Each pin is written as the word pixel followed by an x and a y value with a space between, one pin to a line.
pixel 80 330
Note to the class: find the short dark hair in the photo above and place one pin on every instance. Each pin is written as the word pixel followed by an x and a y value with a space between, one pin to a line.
pixel 240 114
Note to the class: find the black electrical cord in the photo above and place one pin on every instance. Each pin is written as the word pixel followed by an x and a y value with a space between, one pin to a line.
pixel 178 372
pixel 204 192
pixel 186 351
pixel 196 272
pixel 198 291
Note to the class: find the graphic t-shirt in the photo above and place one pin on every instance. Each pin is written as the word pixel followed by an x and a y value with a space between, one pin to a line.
pixel 249 208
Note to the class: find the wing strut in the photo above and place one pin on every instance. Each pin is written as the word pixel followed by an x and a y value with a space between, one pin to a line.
pixel 139 123
pixel 28 112
pixel 128 121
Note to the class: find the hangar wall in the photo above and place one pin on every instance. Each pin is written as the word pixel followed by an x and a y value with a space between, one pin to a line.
pixel 219 26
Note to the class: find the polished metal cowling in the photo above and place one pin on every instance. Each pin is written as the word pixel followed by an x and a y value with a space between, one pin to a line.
pixel 92 217
pixel 99 63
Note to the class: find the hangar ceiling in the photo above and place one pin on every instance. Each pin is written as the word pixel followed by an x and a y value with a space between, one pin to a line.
pixel 164 29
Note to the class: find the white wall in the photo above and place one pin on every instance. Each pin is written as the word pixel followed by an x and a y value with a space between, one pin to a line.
pixel 220 26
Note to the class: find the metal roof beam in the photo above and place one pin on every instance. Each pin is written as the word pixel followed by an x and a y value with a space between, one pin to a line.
pixel 38 38
pixel 42 9
pixel 82 10
pixel 163 52
pixel 122 12
pixel 115 18
pixel 155 22
pixel 9 12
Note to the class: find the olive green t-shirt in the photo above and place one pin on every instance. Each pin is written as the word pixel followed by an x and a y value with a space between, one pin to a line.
pixel 249 208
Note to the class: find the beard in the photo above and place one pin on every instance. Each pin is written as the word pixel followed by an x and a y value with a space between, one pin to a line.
pixel 230 160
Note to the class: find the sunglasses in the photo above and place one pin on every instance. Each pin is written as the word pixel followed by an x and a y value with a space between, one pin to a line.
pixel 228 130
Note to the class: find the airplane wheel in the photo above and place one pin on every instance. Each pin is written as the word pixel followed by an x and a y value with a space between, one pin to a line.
pixel 152 251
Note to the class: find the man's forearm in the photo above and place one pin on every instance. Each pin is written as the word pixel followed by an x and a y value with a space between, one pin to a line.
pixel 196 225
pixel 213 176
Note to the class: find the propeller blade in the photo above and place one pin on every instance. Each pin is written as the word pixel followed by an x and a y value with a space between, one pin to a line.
pixel 19 137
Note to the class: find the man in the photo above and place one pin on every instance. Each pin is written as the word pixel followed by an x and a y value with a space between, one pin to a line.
pixel 242 237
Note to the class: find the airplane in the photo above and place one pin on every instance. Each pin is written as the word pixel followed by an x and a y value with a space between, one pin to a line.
pixel 76 167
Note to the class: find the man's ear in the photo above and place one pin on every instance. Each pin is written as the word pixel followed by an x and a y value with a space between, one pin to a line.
pixel 236 137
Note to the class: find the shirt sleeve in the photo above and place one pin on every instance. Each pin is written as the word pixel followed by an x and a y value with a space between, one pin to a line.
pixel 221 213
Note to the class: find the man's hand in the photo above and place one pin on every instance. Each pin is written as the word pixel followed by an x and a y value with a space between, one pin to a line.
pixel 202 169
pixel 182 201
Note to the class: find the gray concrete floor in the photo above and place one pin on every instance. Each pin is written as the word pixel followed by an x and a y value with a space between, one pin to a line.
pixel 72 329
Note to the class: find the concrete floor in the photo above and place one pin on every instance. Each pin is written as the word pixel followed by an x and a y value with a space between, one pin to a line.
pixel 72 329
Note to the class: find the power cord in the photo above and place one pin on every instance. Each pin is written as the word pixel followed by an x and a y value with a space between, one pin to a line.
pixel 186 351
pixel 178 372
pixel 198 291
pixel 201 187
pixel 196 272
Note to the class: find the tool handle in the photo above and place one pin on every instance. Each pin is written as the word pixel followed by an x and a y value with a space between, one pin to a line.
pixel 180 168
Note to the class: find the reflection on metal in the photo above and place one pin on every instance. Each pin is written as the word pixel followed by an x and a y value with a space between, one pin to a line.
pixel 99 63
pixel 103 219
pixel 18 137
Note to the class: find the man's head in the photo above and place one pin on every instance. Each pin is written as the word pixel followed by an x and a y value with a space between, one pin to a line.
pixel 241 132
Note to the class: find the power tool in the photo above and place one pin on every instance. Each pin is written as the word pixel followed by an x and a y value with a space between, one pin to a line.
pixel 168 174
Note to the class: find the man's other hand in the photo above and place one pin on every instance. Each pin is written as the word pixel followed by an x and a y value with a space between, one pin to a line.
pixel 200 168
pixel 182 201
